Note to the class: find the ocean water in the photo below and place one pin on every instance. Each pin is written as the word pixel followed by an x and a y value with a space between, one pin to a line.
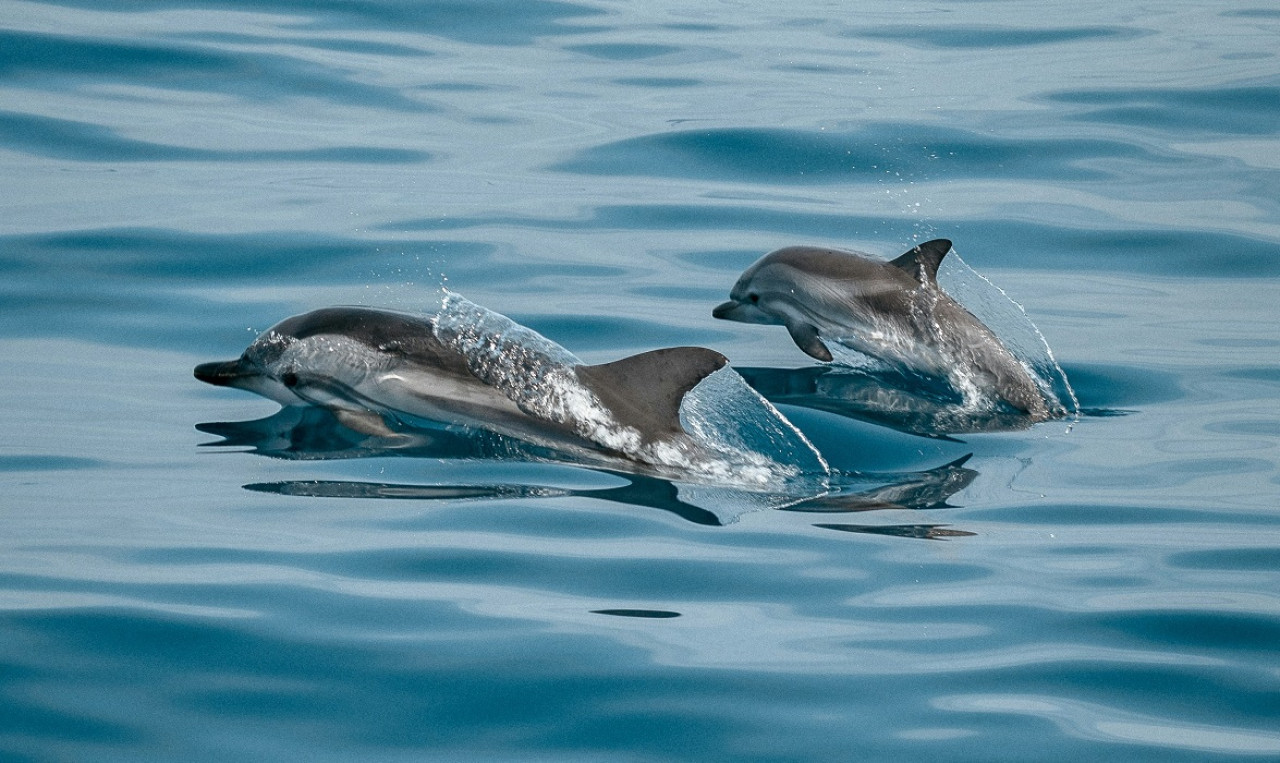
pixel 187 573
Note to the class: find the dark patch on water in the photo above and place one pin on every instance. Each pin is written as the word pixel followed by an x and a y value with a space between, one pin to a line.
pixel 483 22
pixel 33 463
pixel 964 37
pixel 1253 428
pixel 84 141
pixel 1215 631
pixel 1263 374
pixel 869 153
pixel 652 614
pixel 1253 13
pixel 657 82
pixel 624 51
pixel 341 45
pixel 56 61
pixel 1241 559
pixel 1244 110
pixel 1087 515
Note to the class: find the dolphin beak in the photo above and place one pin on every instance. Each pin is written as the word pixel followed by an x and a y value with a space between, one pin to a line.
pixel 223 373
pixel 725 311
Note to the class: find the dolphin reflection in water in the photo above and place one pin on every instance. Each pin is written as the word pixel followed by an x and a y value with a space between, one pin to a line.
pixel 908 403
pixel 312 433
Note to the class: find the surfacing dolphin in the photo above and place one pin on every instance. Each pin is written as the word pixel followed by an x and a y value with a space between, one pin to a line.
pixel 892 311
pixel 363 364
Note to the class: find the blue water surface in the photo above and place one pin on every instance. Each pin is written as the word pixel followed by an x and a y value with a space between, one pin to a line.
pixel 187 574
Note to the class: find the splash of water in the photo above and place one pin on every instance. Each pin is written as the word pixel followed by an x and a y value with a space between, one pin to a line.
pixel 1009 320
pixel 733 420
pixel 735 436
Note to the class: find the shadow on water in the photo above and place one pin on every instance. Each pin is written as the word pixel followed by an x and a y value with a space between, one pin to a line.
pixel 311 433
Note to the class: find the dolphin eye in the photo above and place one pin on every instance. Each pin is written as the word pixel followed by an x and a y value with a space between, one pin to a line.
pixel 289 379
pixel 753 297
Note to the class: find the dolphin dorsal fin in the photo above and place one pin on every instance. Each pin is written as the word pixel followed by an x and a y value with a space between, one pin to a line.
pixel 645 391
pixel 923 261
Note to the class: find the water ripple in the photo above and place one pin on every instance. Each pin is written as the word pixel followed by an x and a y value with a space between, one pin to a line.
pixel 1240 110
pixel 871 153
pixel 62 61
pixel 83 141
pixel 963 37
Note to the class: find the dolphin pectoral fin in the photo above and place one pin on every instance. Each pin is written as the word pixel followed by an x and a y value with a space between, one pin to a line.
pixel 341 400
pixel 364 422
pixel 923 261
pixel 645 391
pixel 805 335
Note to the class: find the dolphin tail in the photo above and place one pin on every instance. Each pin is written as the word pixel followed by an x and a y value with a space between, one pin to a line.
pixel 923 261
pixel 645 391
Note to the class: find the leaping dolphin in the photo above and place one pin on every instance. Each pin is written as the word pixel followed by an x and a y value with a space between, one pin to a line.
pixel 363 363
pixel 893 311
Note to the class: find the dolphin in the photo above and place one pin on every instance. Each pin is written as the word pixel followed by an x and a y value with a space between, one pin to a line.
pixel 894 311
pixel 366 364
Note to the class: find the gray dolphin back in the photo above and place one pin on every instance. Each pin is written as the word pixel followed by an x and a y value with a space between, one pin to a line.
pixel 645 391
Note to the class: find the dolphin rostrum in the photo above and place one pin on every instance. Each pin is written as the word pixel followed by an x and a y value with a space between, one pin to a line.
pixel 893 311
pixel 364 364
